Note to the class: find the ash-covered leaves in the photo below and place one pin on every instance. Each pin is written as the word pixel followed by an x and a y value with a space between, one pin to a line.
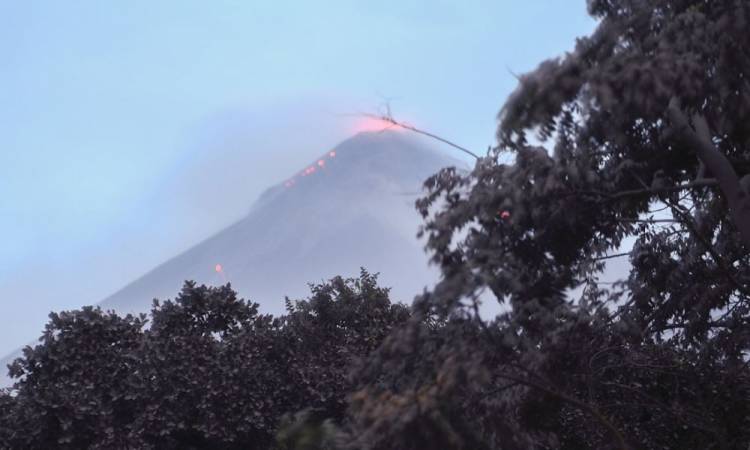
pixel 208 371
pixel 655 359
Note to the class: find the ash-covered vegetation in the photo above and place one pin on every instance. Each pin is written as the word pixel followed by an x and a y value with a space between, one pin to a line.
pixel 208 371
pixel 642 153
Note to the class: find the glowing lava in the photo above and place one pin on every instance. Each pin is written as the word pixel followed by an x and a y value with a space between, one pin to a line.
pixel 309 170
pixel 374 124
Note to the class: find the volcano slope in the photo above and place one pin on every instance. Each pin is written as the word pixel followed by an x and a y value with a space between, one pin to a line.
pixel 353 207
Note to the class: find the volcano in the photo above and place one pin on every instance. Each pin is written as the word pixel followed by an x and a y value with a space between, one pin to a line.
pixel 352 207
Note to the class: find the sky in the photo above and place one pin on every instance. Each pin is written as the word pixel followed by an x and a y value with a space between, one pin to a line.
pixel 129 131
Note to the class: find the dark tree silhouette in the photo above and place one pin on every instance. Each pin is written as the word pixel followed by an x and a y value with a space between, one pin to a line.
pixel 208 373
pixel 76 391
pixel 643 152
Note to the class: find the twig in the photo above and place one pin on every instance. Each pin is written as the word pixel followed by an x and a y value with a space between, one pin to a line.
pixel 389 119
pixel 706 182
pixel 616 255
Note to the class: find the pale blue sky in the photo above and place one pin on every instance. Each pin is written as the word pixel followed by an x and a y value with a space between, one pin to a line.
pixel 131 130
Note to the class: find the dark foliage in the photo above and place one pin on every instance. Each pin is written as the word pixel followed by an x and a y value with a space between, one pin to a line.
pixel 208 373
pixel 644 150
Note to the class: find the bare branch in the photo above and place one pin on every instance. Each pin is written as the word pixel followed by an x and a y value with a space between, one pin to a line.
pixel 389 119
pixel 616 255
pixel 706 182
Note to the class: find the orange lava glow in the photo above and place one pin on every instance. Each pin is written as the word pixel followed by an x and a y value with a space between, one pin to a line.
pixel 374 124
pixel 309 170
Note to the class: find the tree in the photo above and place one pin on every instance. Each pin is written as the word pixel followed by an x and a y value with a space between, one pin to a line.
pixel 209 372
pixel 643 143
pixel 184 380
pixel 75 392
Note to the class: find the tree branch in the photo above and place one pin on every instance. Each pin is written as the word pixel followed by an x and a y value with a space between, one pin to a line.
pixel 677 210
pixel 698 137
pixel 706 182
pixel 389 119
pixel 616 255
